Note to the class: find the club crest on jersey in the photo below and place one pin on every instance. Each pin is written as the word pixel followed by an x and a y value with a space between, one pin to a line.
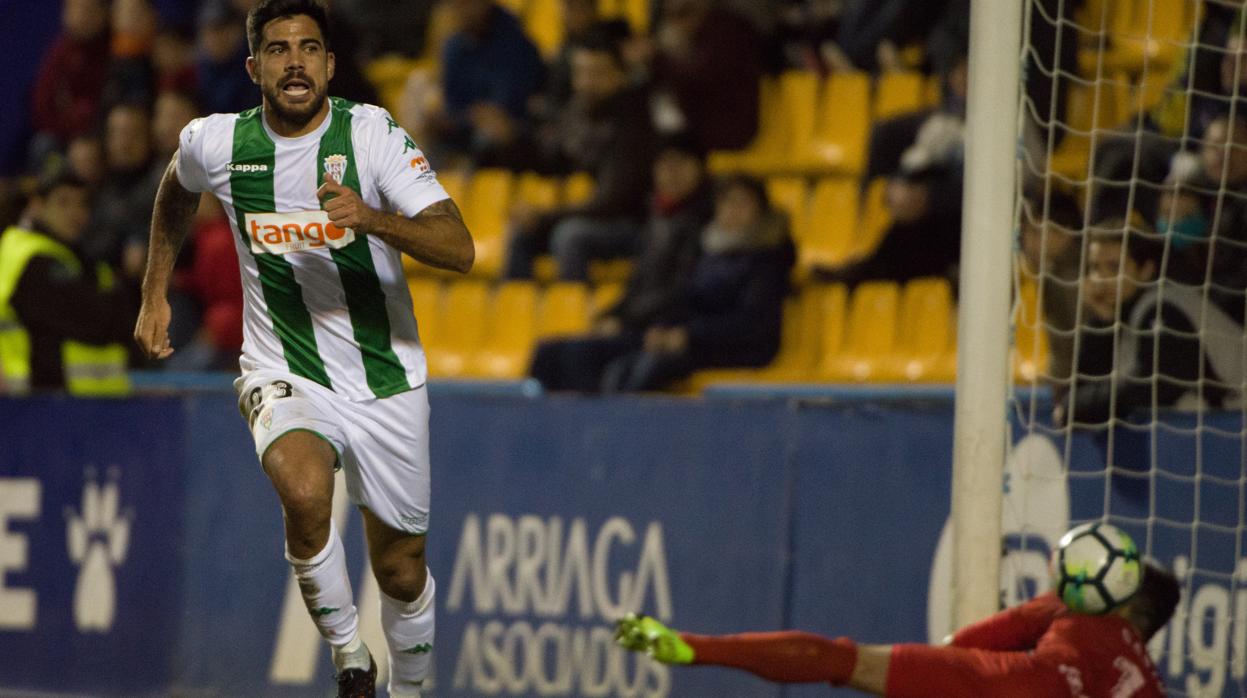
pixel 296 231
pixel 335 165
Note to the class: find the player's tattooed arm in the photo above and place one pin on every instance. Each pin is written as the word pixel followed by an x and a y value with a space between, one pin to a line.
pixel 435 236
pixel 171 221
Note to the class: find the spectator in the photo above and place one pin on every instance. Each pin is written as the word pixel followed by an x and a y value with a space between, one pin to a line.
pixel 173 59
pixel 209 282
pixel 871 31
pixel 580 22
pixel 891 138
pixel 70 85
pixel 490 69
pixel 123 206
pixel 709 62
pixel 1050 255
pixel 131 75
pixel 680 207
pixel 1146 344
pixel 924 203
pixel 222 48
pixel 85 158
pixel 67 316
pixel 605 132
pixel 732 313
pixel 174 110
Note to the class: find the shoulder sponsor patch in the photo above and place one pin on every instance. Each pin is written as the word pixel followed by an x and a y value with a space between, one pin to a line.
pixel 296 231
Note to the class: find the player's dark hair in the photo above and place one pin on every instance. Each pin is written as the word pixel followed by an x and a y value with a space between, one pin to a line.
pixel 268 10
pixel 1153 605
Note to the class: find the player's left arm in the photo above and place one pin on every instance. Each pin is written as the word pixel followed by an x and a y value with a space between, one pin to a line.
pixel 436 236
pixel 1017 628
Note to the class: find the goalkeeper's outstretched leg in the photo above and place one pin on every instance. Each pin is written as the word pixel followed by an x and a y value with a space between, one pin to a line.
pixel 1035 650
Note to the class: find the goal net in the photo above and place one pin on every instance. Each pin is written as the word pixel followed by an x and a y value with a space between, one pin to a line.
pixel 1128 351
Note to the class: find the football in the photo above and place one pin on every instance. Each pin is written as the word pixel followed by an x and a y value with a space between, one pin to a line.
pixel 1095 568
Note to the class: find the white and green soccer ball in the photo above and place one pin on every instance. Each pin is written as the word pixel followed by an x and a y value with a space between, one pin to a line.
pixel 1095 568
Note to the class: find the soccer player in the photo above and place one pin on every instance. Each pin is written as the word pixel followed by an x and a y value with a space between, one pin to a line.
pixel 323 196
pixel 1039 649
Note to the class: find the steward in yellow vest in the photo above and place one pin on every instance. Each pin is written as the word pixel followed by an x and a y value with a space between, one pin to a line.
pixel 63 320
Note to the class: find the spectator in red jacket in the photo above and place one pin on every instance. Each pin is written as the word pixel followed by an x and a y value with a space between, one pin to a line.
pixel 68 90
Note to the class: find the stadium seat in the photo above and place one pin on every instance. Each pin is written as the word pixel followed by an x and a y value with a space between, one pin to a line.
pixel 487 213
pixel 605 271
pixel 898 93
pixel 925 335
pixel 1142 36
pixel 833 302
pixel 1090 108
pixel 791 195
pixel 635 11
pixel 578 188
pixel 1030 340
pixel 798 119
pixel 426 301
pixel 875 219
pixel 870 339
pixel 832 225
pixel 605 295
pixel 564 310
pixel 512 332
pixel 767 146
pixel 537 191
pixel 798 348
pixel 543 22
pixel 838 143
pixel 461 331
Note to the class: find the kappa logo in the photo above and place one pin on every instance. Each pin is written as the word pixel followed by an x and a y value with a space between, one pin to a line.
pixel 247 167
pixel 283 233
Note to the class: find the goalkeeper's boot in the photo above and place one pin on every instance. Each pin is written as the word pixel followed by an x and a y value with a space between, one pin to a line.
pixel 357 683
pixel 641 633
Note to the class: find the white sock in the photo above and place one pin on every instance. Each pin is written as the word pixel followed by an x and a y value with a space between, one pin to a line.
pixel 408 629
pixel 326 590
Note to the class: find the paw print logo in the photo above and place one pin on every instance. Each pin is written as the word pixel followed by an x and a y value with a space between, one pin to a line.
pixel 99 537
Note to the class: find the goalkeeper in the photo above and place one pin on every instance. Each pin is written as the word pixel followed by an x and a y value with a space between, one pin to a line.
pixel 1039 649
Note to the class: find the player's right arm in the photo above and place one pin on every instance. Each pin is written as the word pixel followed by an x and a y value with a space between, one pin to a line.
pixel 171 221
pixel 1017 628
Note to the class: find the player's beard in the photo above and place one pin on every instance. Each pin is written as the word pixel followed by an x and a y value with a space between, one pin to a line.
pixel 295 115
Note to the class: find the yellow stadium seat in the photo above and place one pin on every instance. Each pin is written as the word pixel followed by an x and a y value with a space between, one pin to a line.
pixel 515 7
pixel 426 301
pixel 543 21
pixel 578 188
pixel 1090 108
pixel 564 310
pixel 767 146
pixel 1142 36
pixel 871 335
pixel 898 93
pixel 840 133
pixel 605 271
pixel 791 195
pixel 606 296
pixel 1030 339
pixel 487 214
pixel 830 232
pixel 635 11
pixel 925 332
pixel 875 219
pixel 539 192
pixel 834 303
pixel 797 349
pixel 461 331
pixel 798 120
pixel 511 334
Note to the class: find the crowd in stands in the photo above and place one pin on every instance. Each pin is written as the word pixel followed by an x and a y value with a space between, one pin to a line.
pixel 729 147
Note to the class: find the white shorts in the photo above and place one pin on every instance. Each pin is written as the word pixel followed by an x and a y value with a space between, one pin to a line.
pixel 382 444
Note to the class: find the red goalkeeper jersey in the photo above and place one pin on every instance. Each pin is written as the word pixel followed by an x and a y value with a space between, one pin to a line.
pixel 1039 649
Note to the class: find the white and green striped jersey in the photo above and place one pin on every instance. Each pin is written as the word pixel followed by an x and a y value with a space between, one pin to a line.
pixel 325 303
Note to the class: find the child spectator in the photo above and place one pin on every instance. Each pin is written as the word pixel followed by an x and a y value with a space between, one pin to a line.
pixel 732 313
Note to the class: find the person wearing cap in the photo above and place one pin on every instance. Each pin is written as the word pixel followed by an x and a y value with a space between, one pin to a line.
pixel 63 320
